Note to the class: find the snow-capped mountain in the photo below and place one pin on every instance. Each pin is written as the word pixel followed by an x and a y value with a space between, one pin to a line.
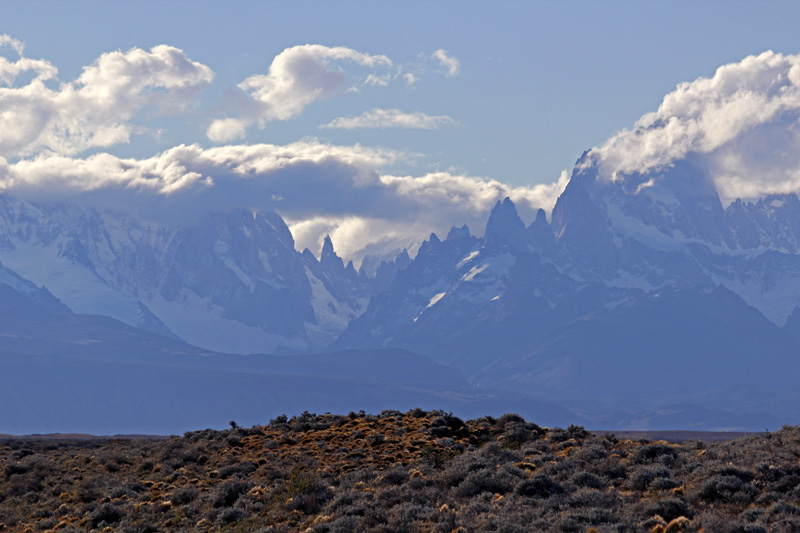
pixel 232 282
pixel 643 290
pixel 669 228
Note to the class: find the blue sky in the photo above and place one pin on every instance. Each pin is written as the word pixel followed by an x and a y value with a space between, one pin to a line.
pixel 537 83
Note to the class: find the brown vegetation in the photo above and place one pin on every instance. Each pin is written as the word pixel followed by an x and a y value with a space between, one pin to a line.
pixel 415 471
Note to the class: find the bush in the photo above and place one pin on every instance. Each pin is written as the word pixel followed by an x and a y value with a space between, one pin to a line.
pixel 539 486
pixel 228 493
pixel 655 453
pixel 641 479
pixel 727 489
pixel 495 481
pixel 107 514
pixel 670 509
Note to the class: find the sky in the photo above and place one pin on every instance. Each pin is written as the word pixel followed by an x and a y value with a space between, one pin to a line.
pixel 380 122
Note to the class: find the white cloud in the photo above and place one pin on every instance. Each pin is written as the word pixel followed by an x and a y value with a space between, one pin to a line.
pixel 227 130
pixel 356 236
pixel 452 64
pixel 297 77
pixel 7 40
pixel 391 118
pixel 96 109
pixel 9 70
pixel 411 80
pixel 742 125
pixel 374 80
pixel 183 167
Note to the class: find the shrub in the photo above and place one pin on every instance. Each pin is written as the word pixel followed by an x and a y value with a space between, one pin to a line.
pixel 228 493
pixel 655 453
pixel 539 486
pixel 728 489
pixel 585 479
pixel 496 481
pixel 509 418
pixel 670 509
pixel 642 478
pixel 108 514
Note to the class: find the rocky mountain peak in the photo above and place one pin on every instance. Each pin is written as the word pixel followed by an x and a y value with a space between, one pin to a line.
pixel 541 234
pixel 457 234
pixel 505 227
pixel 328 258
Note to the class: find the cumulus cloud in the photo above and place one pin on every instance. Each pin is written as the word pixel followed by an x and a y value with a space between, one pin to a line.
pixel 742 125
pixel 451 64
pixel 297 77
pixel 227 130
pixel 391 118
pixel 96 109
pixel 321 188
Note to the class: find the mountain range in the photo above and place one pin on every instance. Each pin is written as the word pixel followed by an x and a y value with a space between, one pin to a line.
pixel 643 302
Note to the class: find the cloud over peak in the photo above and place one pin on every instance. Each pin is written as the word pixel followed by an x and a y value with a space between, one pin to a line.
pixel 742 125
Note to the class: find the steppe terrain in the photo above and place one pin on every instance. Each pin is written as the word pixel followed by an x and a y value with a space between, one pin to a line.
pixel 414 471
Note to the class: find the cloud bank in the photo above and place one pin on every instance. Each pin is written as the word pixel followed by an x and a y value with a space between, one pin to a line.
pixel 742 125
pixel 321 188
pixel 391 118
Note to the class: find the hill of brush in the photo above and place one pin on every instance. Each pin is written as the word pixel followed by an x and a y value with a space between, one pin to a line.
pixel 414 471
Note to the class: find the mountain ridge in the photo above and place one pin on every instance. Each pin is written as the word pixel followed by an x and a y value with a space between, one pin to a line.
pixel 632 275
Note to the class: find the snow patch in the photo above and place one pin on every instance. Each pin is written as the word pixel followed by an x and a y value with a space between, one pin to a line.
pixel 467 259
pixel 435 300
pixel 332 317
pixel 474 271
pixel 487 281
pixel 776 303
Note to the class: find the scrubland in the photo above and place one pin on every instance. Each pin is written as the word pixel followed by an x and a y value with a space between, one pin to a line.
pixel 414 471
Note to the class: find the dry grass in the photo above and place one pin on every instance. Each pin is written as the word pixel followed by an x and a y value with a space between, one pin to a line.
pixel 415 471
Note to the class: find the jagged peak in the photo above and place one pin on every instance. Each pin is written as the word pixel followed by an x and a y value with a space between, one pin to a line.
pixel 505 226
pixel 328 258
pixel 403 259
pixel 327 247
pixel 427 246
pixel 504 206
pixel 541 217
pixel 457 234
